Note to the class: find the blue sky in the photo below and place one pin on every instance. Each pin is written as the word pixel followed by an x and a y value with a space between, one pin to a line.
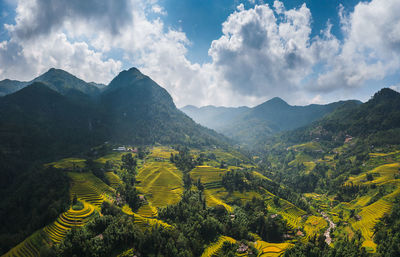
pixel 201 19
pixel 220 52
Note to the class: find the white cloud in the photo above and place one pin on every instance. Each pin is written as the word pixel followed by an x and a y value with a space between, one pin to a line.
pixel 395 87
pixel 371 46
pixel 264 51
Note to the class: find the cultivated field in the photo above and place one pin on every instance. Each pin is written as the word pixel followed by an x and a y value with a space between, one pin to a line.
pixel 161 183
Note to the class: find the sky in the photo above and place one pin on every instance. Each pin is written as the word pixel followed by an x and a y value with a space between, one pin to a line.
pixel 211 52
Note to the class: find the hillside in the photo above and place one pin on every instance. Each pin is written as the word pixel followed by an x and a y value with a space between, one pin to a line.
pixel 139 111
pixel 250 125
pixel 346 164
pixel 376 121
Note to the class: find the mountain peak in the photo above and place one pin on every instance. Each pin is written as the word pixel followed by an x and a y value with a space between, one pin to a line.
pixel 126 77
pixel 275 102
pixel 385 94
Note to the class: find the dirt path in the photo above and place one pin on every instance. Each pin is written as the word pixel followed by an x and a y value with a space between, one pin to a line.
pixel 332 225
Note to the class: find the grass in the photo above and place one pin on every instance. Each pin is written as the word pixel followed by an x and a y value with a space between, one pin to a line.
pixel 266 249
pixel 161 183
pixel 29 247
pixel 57 230
pixel 214 248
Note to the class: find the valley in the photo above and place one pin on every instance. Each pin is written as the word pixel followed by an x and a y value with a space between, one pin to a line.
pixel 130 174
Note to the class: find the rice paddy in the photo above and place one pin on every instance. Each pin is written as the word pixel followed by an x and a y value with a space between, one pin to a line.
pixel 162 152
pixel 89 188
pixel 69 164
pixel 289 212
pixel 369 217
pixel 161 183
pixel 214 248
pixel 313 225
pixel 381 174
pixel 67 220
pixel 115 181
pixel 29 247
pixel 144 222
pixel 266 249
pixel 210 177
pixel 147 211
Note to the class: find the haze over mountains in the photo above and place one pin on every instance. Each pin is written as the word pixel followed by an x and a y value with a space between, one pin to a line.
pixel 249 125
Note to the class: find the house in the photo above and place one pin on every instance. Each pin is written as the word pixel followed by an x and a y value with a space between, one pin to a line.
pixel 120 149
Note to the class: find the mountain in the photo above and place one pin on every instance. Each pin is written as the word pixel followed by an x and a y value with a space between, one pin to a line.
pixel 212 116
pixel 377 121
pixel 140 111
pixel 46 120
pixel 249 125
pixel 57 79
pixel 43 123
pixel 8 86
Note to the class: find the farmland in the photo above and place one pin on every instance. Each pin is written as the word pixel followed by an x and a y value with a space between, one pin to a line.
pixel 161 183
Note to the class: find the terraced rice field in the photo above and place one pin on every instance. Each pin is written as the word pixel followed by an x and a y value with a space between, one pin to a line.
pixel 161 183
pixel 369 217
pixel 115 181
pixel 67 220
pixel 144 222
pixel 68 163
pixel 313 225
pixel 289 212
pixel 383 154
pixel 89 188
pixel 266 249
pixel 27 248
pixel 113 158
pixel 210 177
pixel 215 247
pixel 300 159
pixel 309 166
pixel 147 211
pixel 214 198
pixel 386 173
pixel 162 152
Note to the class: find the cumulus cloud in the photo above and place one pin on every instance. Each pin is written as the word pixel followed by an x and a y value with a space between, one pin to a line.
pixel 370 49
pixel 264 51
pixel 40 17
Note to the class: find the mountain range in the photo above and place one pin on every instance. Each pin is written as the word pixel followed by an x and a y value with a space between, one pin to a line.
pixel 250 125
pixel 59 114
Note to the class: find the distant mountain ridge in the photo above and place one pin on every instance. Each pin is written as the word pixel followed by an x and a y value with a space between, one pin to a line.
pixel 377 121
pixel 248 125
pixel 57 79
